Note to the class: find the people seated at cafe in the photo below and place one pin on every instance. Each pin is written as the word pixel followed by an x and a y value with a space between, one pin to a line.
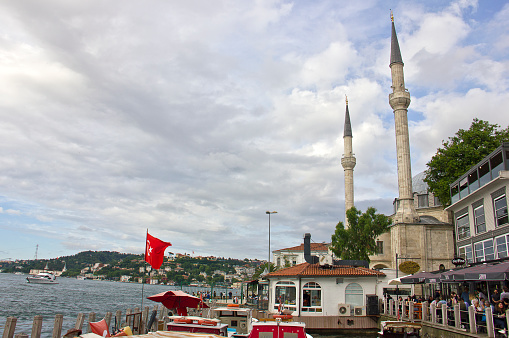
pixel 499 316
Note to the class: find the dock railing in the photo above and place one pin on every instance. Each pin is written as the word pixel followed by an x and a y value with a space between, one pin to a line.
pixel 451 318
pixel 134 318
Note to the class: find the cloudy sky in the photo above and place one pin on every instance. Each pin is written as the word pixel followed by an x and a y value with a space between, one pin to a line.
pixel 193 118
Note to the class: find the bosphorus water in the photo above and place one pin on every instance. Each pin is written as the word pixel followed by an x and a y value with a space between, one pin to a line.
pixel 71 296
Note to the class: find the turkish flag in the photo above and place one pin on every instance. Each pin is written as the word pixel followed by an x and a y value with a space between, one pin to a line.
pixel 154 251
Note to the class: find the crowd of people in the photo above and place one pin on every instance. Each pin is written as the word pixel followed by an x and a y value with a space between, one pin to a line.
pixel 498 301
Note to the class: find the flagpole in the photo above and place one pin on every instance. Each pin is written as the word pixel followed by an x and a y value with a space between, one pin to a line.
pixel 143 276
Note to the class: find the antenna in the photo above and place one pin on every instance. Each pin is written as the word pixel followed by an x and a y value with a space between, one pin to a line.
pixel 36 249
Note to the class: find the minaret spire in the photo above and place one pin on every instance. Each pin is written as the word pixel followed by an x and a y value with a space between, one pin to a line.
pixel 399 100
pixel 348 162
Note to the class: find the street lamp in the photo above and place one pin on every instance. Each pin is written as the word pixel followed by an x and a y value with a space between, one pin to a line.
pixel 268 213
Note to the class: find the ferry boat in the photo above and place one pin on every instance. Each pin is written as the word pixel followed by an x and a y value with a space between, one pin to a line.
pixel 42 278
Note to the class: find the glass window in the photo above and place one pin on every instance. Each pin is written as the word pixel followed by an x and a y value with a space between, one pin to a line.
pixel 422 201
pixel 484 174
pixel 501 243
pixel 379 247
pixel 500 210
pixel 312 297
pixel 354 295
pixel 484 251
pixel 466 252
pixel 463 226
pixel 455 193
pixel 479 223
pixel 285 294
pixel 496 163
pixel 473 182
pixel 463 187
pixel 437 201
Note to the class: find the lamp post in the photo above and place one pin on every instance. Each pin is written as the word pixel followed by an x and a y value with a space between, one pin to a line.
pixel 268 213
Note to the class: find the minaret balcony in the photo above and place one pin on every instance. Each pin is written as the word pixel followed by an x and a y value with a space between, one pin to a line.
pixel 399 100
pixel 348 162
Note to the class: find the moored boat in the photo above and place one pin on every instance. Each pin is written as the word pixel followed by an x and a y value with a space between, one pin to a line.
pixel 42 278
pixel 397 329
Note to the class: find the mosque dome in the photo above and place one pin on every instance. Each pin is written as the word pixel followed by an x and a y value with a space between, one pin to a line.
pixel 418 184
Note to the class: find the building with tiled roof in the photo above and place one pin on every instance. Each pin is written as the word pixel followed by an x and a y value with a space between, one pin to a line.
pixel 324 290
pixel 295 255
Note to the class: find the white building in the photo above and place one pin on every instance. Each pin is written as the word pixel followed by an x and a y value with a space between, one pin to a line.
pixel 295 255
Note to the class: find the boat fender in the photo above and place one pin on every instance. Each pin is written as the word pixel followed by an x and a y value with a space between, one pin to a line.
pixel 283 316
pixel 207 322
pixel 232 305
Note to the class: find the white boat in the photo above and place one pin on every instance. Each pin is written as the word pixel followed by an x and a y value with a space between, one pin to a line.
pixel 42 278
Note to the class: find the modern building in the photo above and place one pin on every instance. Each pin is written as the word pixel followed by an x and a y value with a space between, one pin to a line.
pixel 479 206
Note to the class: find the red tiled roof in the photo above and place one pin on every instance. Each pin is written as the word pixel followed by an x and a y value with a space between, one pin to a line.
pixel 307 270
pixel 314 247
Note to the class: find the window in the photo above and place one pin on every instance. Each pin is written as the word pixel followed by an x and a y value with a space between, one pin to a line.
pixel 500 210
pixel 479 223
pixel 455 191
pixel 312 297
pixel 422 201
pixel 501 246
pixel 354 294
pixel 484 174
pixel 437 201
pixel 466 252
pixel 484 251
pixel 285 294
pixel 379 247
pixel 463 226
pixel 463 187
pixel 473 182
pixel 496 164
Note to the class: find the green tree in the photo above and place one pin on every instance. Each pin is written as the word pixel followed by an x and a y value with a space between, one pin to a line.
pixel 461 152
pixel 358 240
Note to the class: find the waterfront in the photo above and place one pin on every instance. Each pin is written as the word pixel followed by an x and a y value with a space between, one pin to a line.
pixel 71 297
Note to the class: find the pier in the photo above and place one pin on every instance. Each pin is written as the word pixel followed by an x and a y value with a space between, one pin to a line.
pixel 444 321
pixel 137 320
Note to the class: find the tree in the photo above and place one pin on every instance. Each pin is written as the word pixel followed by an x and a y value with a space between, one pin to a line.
pixel 358 240
pixel 459 153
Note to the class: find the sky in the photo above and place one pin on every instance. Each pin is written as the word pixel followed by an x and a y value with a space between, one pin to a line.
pixel 191 119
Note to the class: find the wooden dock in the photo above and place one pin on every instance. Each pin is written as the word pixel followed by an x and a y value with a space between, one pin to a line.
pixel 134 318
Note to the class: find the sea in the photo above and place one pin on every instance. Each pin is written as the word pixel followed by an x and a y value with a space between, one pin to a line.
pixel 72 296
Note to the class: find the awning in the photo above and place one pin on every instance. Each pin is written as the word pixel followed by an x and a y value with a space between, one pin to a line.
pixel 419 277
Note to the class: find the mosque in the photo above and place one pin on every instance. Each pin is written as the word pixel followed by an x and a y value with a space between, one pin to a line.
pixel 421 230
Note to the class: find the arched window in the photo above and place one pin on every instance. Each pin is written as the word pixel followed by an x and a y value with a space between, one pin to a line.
pixel 285 295
pixel 354 294
pixel 312 297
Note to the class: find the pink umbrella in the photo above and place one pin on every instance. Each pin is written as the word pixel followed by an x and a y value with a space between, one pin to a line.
pixel 178 300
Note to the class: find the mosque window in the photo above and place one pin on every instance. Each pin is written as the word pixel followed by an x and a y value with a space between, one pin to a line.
pixel 422 201
pixel 379 247
pixel 463 226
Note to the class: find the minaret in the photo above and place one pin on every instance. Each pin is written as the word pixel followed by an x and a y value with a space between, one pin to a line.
pixel 399 101
pixel 348 162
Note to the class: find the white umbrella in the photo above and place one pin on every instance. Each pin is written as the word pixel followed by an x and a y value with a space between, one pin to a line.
pixel 395 281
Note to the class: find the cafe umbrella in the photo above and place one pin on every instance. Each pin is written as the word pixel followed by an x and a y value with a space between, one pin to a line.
pixel 178 300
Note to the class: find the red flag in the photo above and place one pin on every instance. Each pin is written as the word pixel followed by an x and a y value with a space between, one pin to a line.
pixel 154 251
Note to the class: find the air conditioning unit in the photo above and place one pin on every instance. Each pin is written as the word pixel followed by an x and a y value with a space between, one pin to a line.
pixel 359 311
pixel 344 309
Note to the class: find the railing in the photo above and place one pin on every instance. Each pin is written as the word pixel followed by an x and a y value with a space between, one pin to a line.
pixel 454 318
pixel 135 319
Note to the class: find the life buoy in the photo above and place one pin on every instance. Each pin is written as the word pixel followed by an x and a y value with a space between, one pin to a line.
pixel 207 322
pixel 283 316
pixel 233 305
